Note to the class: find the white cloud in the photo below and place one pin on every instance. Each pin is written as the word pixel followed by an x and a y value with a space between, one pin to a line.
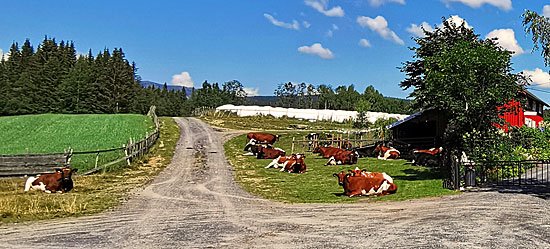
pixel 251 92
pixel 317 49
pixel 293 25
pixel 539 77
pixel 501 4
pixel 334 27
pixel 322 6
pixel 329 33
pixel 364 43
pixel 546 11
pixel 306 24
pixel 5 56
pixel 457 20
pixel 380 26
pixel 506 39
pixel 182 79
pixel 377 3
pixel 417 29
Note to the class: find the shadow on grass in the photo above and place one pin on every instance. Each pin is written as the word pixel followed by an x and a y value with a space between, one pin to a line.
pixel 419 175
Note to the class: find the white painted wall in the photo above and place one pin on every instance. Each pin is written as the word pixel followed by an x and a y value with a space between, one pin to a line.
pixel 306 114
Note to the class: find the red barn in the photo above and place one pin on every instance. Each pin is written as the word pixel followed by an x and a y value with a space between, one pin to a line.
pixel 529 113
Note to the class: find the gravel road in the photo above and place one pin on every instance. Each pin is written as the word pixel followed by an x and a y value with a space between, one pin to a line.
pixel 194 203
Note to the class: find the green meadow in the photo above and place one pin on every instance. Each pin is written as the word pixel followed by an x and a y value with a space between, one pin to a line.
pixel 318 185
pixel 51 133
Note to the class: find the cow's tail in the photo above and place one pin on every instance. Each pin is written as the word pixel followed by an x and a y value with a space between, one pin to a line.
pixel 29 182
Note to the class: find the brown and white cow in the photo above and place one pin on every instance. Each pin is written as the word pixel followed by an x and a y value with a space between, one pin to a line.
pixel 327 152
pixel 269 153
pixel 292 164
pixel 430 157
pixel 59 182
pixel 366 183
pixel 254 147
pixel 263 138
pixel 386 152
pixel 343 157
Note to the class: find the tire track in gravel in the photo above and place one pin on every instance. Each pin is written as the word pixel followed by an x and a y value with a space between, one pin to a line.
pixel 195 203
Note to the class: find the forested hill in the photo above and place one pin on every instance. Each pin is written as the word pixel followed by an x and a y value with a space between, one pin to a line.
pixel 53 78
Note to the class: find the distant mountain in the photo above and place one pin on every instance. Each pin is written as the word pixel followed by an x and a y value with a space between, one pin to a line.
pixel 146 83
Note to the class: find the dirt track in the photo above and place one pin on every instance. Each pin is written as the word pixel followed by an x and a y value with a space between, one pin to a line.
pixel 195 203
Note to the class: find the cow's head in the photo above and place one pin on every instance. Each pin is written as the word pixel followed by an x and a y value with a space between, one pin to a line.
pixel 354 157
pixel 341 177
pixel 299 164
pixel 65 173
pixel 377 149
pixel 355 172
pixel 250 143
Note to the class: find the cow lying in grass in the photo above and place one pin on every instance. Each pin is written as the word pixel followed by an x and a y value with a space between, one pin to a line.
pixel 327 152
pixel 291 164
pixel 429 158
pixel 386 152
pixel 264 138
pixel 360 182
pixel 59 182
pixel 343 157
pixel 269 153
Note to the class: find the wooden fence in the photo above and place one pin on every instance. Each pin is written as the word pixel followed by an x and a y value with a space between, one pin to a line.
pixel 28 164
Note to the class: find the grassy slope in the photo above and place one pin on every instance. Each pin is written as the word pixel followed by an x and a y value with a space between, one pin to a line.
pixel 48 133
pixel 232 121
pixel 92 194
pixel 318 184
pixel 57 132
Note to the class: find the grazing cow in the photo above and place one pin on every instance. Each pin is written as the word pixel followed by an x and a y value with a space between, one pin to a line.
pixel 343 157
pixel 59 182
pixel 367 183
pixel 292 164
pixel 269 153
pixel 264 138
pixel 386 152
pixel 430 157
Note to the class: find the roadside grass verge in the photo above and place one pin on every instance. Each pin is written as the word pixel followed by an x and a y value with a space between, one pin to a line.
pixel 318 185
pixel 91 194
pixel 232 121
pixel 53 133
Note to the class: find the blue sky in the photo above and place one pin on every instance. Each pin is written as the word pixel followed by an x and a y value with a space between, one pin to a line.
pixel 265 43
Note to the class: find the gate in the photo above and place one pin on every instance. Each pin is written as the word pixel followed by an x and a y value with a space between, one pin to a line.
pixel 507 173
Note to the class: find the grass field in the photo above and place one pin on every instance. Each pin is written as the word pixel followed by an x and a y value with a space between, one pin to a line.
pixel 49 133
pixel 91 194
pixel 232 121
pixel 318 184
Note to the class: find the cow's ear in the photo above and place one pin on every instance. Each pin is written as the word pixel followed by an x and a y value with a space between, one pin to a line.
pixel 335 175
pixel 58 170
pixel 74 170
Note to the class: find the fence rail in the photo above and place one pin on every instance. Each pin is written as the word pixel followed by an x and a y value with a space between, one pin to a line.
pixel 26 164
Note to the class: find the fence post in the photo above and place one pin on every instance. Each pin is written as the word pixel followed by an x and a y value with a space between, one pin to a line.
pixel 96 160
pixel 292 149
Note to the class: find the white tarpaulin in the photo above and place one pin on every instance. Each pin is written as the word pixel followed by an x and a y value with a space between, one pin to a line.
pixel 306 114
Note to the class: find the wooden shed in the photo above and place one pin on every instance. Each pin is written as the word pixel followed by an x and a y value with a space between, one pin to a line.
pixel 423 129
